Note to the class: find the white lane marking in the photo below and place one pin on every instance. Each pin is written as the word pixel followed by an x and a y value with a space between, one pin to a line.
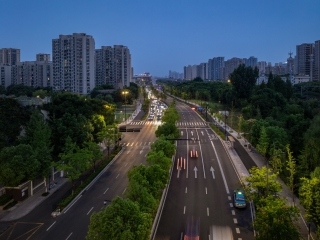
pixel 184 210
pixel 186 190
pixel 229 198
pixel 195 171
pixel 72 204
pixel 131 144
pixel 128 152
pixel 202 133
pixel 231 204
pixel 89 211
pixel 124 191
pixel 208 212
pixel 181 133
pixel 126 164
pixel 51 225
pixel 212 170
pixel 223 177
pixel 69 236
pixel 206 191
pixel 235 220
pixel 118 175
pixel 149 143
pixel 181 236
pixel 187 155
pixel 178 174
pixel 141 151
pixel 204 174
pixel 146 155
pixel 106 191
pixel 233 212
pixel 128 144
pixel 140 144
pixel 237 230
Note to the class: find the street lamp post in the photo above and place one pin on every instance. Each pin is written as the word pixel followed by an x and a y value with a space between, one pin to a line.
pixel 125 107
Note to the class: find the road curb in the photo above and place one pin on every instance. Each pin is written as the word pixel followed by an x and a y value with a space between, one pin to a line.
pixel 91 183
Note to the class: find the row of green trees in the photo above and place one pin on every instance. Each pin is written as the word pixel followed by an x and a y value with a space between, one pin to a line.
pixel 132 217
pixel 67 139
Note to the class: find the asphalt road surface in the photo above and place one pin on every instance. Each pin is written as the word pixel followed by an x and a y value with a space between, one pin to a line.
pixel 202 186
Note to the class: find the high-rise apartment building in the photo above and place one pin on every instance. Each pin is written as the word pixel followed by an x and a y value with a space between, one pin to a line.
pixel 251 62
pixel 113 66
pixel 317 61
pixel 73 63
pixel 203 71
pixel 43 57
pixel 230 65
pixel 9 56
pixel 5 75
pixel 214 68
pixel 32 73
pixel 262 67
pixel 305 59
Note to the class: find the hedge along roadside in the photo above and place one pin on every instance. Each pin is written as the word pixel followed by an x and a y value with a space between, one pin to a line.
pixel 66 203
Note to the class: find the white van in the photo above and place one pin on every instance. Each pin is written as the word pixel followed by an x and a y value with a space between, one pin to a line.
pixel 220 233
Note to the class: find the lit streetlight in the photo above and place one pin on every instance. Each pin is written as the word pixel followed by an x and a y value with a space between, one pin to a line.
pixel 125 102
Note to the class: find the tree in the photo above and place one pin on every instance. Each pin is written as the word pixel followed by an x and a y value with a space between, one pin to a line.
pixel 109 136
pixel 38 135
pixel 263 144
pixel 167 129
pixel 158 157
pixel 122 219
pixel 258 187
pixel 275 220
pixel 18 164
pixel 243 80
pixel 94 152
pixel 163 145
pixel 99 125
pixel 74 161
pixel 40 93
pixel 291 167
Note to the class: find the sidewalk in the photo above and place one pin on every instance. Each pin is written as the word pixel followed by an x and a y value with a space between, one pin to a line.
pixel 23 208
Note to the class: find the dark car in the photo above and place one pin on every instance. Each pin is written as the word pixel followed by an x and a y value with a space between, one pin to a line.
pixel 192 229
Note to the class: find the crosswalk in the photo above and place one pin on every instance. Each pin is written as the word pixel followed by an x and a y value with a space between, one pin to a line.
pixel 179 124
pixel 184 124
pixel 135 144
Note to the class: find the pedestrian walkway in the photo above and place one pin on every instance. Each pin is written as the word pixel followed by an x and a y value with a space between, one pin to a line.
pixel 23 208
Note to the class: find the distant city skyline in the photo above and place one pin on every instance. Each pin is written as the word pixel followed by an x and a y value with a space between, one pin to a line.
pixel 166 35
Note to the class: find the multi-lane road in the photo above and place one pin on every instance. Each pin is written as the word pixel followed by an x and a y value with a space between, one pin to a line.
pixel 203 186
pixel 200 186
pixel 73 222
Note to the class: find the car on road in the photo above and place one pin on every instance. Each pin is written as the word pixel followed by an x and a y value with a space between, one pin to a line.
pixel 193 153
pixel 239 199
pixel 192 228
pixel 220 233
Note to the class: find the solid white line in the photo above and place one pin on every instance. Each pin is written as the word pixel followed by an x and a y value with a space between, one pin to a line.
pixel 223 177
pixel 118 175
pixel 235 220
pixel 72 204
pixel 206 191
pixel 204 174
pixel 208 212
pixel 69 236
pixel 186 190
pixel 237 230
pixel 187 155
pixel 233 212
pixel 106 191
pixel 124 191
pixel 89 211
pixel 51 225
pixel 184 210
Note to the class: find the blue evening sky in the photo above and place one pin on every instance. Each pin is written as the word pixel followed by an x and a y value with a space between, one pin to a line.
pixel 165 35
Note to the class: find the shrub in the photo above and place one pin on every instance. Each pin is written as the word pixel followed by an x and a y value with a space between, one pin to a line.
pixel 4 199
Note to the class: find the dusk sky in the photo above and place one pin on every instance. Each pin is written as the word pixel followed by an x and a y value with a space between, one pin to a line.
pixel 165 35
